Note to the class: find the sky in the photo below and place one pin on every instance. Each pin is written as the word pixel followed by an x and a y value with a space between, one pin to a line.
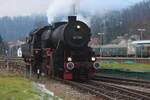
pixel 29 7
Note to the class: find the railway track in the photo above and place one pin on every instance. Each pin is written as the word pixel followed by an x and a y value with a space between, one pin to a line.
pixel 118 93
pixel 123 81
pixel 84 87
pixel 109 91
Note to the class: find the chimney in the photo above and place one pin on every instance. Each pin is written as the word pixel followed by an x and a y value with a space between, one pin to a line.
pixel 72 18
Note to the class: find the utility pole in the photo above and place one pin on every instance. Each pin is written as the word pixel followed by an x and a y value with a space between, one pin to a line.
pixel 141 30
pixel 101 42
pixel 104 29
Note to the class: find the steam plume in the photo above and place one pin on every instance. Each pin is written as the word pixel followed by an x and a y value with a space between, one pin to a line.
pixel 59 9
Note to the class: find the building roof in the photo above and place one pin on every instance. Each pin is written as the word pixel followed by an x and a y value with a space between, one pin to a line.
pixel 15 43
pixel 141 42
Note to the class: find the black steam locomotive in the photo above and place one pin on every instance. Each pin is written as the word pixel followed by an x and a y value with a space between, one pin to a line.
pixel 61 49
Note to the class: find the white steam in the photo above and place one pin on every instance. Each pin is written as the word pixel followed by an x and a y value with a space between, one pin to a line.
pixel 59 10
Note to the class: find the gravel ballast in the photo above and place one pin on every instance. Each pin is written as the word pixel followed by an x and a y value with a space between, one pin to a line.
pixel 67 92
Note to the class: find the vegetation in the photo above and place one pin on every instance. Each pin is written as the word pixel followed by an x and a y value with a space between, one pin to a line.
pixel 17 88
pixel 3 46
pixel 18 27
pixel 125 74
pixel 136 67
pixel 127 21
pixel 113 24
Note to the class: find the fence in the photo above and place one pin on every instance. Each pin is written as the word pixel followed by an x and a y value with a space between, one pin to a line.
pixel 125 59
pixel 12 66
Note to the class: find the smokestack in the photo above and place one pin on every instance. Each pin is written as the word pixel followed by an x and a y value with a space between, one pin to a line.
pixel 72 18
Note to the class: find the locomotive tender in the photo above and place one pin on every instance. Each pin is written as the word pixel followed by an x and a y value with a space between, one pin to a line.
pixel 61 49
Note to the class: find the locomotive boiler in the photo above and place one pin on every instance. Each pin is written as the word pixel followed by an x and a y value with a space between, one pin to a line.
pixel 62 49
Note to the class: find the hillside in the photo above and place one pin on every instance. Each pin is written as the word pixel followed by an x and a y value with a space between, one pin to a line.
pixel 18 27
pixel 113 23
pixel 126 21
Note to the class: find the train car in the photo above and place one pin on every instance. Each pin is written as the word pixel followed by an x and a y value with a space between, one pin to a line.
pixel 62 49
pixel 133 50
pixel 142 51
pixel 113 51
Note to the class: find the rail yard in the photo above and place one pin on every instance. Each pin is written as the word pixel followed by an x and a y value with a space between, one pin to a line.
pixel 75 50
pixel 60 53
pixel 102 87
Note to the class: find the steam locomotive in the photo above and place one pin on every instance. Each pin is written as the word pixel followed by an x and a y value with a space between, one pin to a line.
pixel 61 50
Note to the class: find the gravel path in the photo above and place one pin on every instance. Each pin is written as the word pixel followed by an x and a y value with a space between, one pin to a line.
pixel 67 92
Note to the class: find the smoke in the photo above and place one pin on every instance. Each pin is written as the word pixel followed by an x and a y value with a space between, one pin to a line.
pixel 59 9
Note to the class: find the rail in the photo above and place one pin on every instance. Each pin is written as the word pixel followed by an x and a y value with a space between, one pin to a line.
pixel 123 81
pixel 119 93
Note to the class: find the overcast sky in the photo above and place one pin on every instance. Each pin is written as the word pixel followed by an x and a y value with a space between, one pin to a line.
pixel 28 7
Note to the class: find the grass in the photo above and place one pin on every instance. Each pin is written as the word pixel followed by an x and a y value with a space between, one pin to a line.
pixel 127 69
pixel 16 88
pixel 124 74
pixel 137 67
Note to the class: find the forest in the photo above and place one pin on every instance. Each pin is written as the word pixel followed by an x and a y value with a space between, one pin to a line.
pixel 113 24
pixel 126 21
pixel 13 28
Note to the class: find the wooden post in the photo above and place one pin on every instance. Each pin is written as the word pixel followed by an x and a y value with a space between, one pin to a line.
pixel 30 74
pixel 38 73
pixel 7 65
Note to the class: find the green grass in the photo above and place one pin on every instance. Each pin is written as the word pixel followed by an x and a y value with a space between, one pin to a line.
pixel 124 74
pixel 16 88
pixel 137 67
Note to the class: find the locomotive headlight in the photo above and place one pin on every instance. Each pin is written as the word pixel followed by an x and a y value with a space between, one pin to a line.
pixel 78 26
pixel 69 59
pixel 93 59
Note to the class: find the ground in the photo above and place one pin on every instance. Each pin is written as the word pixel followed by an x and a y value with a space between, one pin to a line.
pixel 14 87
pixel 67 92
